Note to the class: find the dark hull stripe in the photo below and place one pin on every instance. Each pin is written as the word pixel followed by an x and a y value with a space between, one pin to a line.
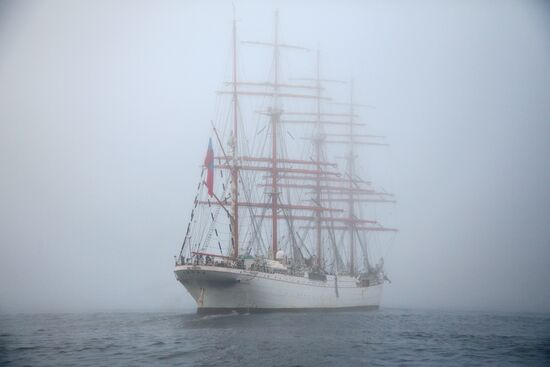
pixel 242 310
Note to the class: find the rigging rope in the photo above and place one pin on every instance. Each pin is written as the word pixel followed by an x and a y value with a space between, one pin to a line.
pixel 192 211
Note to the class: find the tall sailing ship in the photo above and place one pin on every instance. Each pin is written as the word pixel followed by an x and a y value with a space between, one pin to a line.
pixel 277 223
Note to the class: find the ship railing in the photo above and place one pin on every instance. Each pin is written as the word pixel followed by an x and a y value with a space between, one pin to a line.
pixel 209 259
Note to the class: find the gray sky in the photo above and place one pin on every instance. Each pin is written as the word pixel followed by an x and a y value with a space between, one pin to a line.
pixel 104 117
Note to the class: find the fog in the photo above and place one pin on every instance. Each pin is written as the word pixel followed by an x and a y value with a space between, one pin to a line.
pixel 105 112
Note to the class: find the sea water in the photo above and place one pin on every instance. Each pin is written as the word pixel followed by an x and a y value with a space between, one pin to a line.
pixel 368 338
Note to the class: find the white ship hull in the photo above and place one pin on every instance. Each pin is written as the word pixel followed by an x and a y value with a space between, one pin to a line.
pixel 220 289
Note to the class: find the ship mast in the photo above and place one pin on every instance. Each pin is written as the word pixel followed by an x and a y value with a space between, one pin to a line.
pixel 332 192
pixel 351 173
pixel 318 140
pixel 275 116
pixel 274 164
pixel 353 188
pixel 234 167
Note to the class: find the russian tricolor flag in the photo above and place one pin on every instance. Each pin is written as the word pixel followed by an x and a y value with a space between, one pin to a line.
pixel 209 164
